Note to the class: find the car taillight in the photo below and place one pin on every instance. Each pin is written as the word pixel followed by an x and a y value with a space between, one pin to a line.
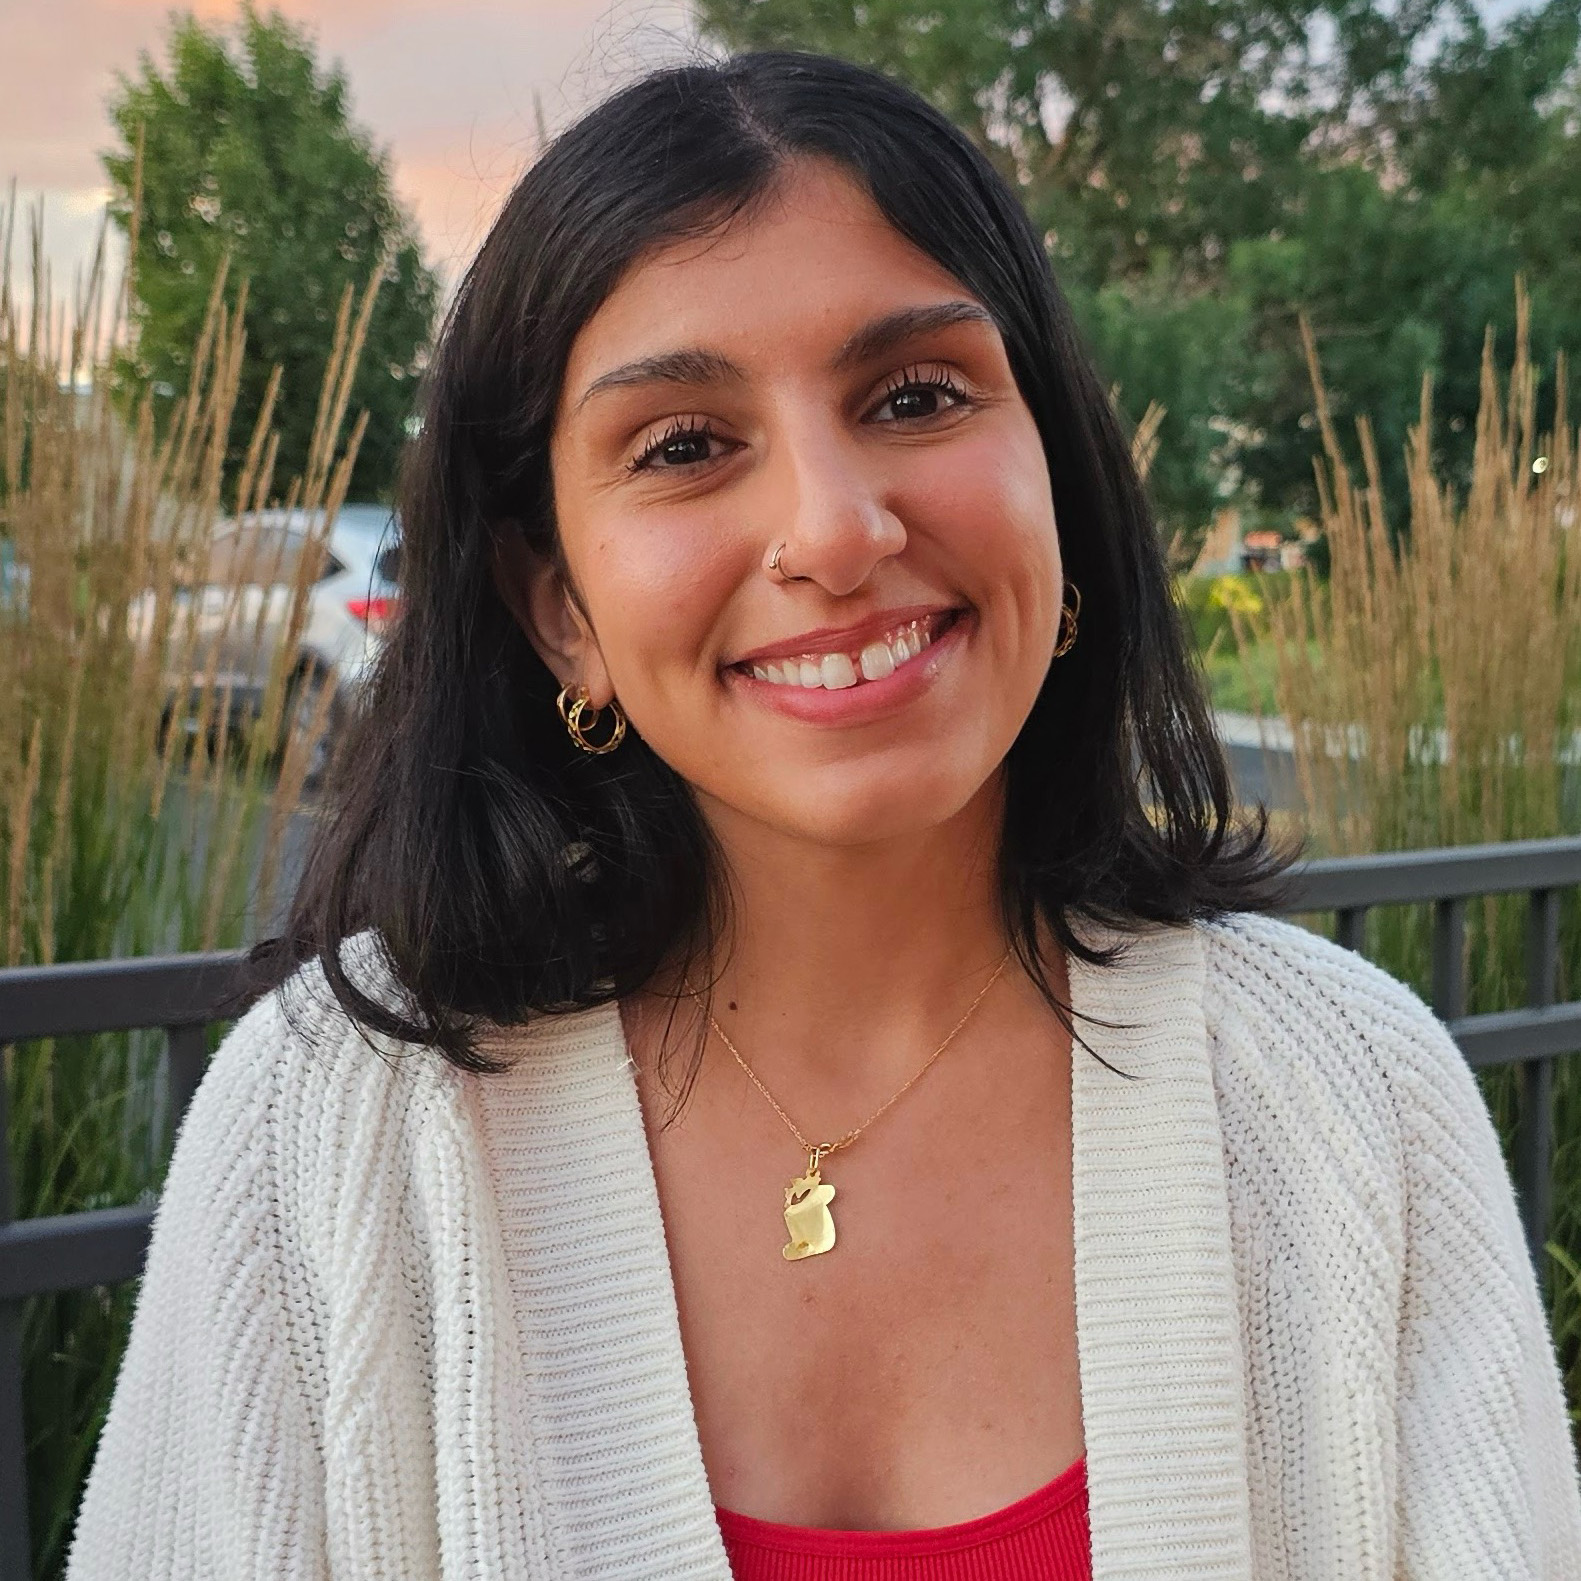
pixel 374 613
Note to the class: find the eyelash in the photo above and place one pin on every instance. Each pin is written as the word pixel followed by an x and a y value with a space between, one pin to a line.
pixel 914 378
pixel 679 428
pixel 923 378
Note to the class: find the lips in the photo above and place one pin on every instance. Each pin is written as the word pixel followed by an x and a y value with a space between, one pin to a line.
pixel 839 669
pixel 844 697
pixel 849 640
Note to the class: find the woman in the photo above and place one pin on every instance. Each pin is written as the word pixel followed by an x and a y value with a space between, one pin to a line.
pixel 672 1160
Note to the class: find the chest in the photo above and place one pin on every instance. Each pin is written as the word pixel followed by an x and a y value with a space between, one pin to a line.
pixel 921 1372
pixel 1169 1403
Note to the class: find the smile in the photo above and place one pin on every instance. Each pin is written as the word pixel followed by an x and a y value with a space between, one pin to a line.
pixel 875 661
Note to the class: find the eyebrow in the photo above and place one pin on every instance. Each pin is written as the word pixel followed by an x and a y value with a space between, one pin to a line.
pixel 692 366
pixel 894 329
pixel 696 366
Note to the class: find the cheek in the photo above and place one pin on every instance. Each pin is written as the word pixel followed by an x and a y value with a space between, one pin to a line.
pixel 990 502
pixel 655 594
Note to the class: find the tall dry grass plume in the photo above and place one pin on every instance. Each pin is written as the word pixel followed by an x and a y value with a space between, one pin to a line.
pixel 1433 690
pixel 139 812
pixel 1438 697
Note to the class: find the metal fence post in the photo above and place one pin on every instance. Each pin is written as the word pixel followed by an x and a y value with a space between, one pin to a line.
pixel 1449 958
pixel 1350 927
pixel 16 1559
pixel 187 1056
pixel 1534 1136
pixel 102 1245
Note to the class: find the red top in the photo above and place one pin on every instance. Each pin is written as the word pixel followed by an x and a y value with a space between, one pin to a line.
pixel 1042 1537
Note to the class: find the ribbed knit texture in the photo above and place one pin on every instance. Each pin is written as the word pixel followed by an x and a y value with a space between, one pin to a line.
pixel 1042 1537
pixel 401 1323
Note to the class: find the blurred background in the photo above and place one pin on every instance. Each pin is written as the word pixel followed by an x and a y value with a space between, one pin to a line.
pixel 1327 255
pixel 1203 172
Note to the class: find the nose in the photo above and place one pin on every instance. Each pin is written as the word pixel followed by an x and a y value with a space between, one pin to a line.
pixel 840 524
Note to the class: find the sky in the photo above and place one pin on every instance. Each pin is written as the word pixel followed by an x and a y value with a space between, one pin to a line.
pixel 447 86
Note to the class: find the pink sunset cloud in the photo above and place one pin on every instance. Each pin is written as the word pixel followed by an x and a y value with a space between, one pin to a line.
pixel 451 87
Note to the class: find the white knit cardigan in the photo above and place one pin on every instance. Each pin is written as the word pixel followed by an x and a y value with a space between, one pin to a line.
pixel 401 1322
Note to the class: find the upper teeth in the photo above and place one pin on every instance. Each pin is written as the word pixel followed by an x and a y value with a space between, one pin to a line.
pixel 835 671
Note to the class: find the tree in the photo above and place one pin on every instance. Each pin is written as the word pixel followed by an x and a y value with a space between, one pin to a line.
pixel 1133 126
pixel 1156 343
pixel 249 150
pixel 1206 170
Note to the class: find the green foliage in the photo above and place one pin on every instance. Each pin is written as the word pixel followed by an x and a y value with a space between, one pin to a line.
pixel 1240 676
pixel 249 151
pixel 1209 600
pixel 1136 127
pixel 1207 170
pixel 1398 285
pixel 1158 346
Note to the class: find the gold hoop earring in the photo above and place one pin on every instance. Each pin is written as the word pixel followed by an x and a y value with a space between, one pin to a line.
pixel 1073 609
pixel 579 715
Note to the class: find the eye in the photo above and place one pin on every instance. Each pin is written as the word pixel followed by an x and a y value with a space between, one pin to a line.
pixel 687 442
pixel 916 394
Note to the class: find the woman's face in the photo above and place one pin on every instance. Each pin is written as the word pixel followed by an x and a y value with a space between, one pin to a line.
pixel 804 377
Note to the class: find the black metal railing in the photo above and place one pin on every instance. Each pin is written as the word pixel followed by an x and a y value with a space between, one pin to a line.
pixel 100 1246
pixel 179 994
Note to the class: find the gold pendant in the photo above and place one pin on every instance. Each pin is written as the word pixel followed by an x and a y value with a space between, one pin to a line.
pixel 807 1217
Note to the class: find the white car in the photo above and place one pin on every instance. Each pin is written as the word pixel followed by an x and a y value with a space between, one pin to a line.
pixel 243 606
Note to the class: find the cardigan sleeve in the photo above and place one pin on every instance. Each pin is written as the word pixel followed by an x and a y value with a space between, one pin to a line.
pixel 210 1462
pixel 1487 1473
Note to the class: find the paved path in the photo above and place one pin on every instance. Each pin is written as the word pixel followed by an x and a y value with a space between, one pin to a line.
pixel 1261 773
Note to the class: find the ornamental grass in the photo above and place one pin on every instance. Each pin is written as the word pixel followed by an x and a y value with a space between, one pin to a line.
pixel 139 813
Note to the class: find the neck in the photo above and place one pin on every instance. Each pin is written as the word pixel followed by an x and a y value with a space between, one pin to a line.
pixel 854 962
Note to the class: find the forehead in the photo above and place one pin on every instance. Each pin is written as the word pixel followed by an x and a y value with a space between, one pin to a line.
pixel 803 265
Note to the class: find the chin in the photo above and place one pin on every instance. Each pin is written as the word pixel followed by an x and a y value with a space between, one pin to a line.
pixel 873 813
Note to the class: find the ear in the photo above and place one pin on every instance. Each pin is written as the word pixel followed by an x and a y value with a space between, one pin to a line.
pixel 549 614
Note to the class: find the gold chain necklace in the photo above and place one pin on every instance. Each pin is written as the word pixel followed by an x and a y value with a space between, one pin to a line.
pixel 807 1198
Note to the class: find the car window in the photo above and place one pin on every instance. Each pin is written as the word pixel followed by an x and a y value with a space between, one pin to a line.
pixel 388 565
pixel 259 556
